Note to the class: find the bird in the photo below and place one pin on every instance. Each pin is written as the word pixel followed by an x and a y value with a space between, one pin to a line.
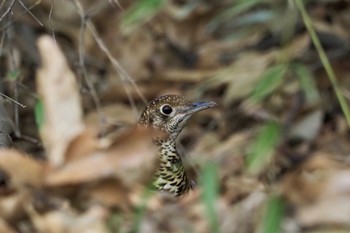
pixel 169 114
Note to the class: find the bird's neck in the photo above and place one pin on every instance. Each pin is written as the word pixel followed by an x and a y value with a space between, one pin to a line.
pixel 171 175
pixel 167 149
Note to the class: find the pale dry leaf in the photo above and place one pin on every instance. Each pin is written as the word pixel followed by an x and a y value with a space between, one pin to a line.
pixel 307 183
pixel 245 215
pixel 115 113
pixel 194 76
pixel 298 47
pixel 243 75
pixel 22 169
pixel 60 96
pixel 132 158
pixel 333 211
pixel 332 205
pixel 66 220
pixel 12 206
pixel 308 127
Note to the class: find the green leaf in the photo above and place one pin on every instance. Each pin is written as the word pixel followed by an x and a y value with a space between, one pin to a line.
pixel 262 148
pixel 273 215
pixel 39 114
pixel 142 11
pixel 237 8
pixel 209 182
pixel 307 83
pixel 269 81
pixel 13 75
pixel 140 210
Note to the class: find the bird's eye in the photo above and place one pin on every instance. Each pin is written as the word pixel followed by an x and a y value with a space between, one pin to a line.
pixel 166 109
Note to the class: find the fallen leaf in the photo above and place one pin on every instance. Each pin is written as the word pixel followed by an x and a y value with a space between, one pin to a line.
pixel 5 227
pixel 109 193
pixel 60 96
pixel 82 145
pixel 12 206
pixel 22 169
pixel 132 158
pixel 68 221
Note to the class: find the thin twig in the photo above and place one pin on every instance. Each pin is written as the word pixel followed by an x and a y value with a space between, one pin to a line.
pixel 82 67
pixel 7 10
pixel 117 3
pixel 2 41
pixel 28 10
pixel 16 102
pixel 125 77
pixel 50 21
pixel 8 24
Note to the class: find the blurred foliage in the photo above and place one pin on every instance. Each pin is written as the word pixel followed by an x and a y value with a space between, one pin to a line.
pixel 209 182
pixel 261 151
pixel 39 114
pixel 273 216
pixel 140 13
pixel 268 82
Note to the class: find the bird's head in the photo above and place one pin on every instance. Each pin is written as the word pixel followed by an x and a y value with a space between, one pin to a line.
pixel 169 113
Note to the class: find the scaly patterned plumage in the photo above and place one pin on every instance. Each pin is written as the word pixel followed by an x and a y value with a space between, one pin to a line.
pixel 169 114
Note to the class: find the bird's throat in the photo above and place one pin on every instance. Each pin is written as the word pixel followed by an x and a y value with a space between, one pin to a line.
pixel 171 175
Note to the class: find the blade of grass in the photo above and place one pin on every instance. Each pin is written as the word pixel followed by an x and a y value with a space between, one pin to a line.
pixel 210 187
pixel 273 215
pixel 39 114
pixel 261 149
pixel 269 81
pixel 237 8
pixel 140 211
pixel 307 83
pixel 142 11
pixel 324 59
pixel 13 75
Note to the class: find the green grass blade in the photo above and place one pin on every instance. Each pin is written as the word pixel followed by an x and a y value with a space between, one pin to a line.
pixel 234 10
pixel 142 11
pixel 210 188
pixel 13 75
pixel 273 215
pixel 324 59
pixel 39 114
pixel 307 83
pixel 270 80
pixel 140 211
pixel 262 148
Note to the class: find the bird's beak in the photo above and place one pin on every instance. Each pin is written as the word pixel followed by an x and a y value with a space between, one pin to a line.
pixel 198 106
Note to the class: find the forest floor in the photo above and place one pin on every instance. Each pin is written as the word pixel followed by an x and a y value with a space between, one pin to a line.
pixel 273 156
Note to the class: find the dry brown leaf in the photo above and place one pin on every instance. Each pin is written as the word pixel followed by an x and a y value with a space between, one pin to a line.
pixel 22 169
pixel 84 144
pixel 60 96
pixel 109 193
pixel 131 158
pixel 4 227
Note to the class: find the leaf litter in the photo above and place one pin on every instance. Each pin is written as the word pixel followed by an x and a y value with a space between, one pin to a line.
pixel 94 170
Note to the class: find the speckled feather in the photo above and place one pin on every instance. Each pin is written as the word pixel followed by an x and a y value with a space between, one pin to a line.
pixel 171 175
